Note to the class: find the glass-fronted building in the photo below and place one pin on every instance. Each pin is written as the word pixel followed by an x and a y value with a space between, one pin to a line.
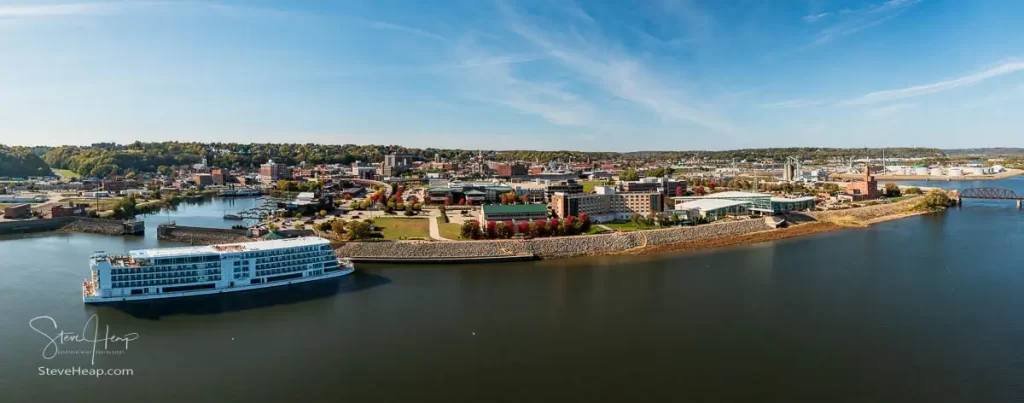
pixel 759 203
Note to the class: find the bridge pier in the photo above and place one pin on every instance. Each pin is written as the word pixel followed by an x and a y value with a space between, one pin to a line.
pixel 1018 204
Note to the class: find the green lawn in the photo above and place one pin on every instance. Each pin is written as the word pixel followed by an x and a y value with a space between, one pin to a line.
pixel 64 173
pixel 594 229
pixel 629 226
pixel 450 230
pixel 403 228
pixel 588 186
pixel 105 203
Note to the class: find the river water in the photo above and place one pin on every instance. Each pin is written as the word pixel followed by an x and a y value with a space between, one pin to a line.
pixel 927 308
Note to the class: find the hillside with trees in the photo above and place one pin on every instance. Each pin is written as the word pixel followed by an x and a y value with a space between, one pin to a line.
pixel 21 162
pixel 103 158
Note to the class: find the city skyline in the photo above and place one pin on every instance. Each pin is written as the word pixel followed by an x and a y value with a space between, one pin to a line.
pixel 588 76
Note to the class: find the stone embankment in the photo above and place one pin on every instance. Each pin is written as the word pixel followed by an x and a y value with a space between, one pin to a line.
pixel 200 235
pixel 79 224
pixel 95 226
pixel 549 247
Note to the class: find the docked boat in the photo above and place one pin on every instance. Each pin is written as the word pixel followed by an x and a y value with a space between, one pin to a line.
pixel 232 216
pixel 248 192
pixel 200 270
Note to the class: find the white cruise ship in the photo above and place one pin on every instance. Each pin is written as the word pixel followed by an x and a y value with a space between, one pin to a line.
pixel 200 270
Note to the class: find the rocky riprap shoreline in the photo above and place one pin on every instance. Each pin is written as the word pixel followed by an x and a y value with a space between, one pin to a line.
pixel 77 224
pixel 569 246
pixel 865 213
pixel 200 235
pixel 95 226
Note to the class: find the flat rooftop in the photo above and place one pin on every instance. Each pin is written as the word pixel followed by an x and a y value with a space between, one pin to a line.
pixel 228 248
pixel 792 200
pixel 709 204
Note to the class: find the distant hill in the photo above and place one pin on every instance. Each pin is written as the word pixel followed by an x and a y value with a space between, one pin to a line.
pixel 21 162
pixel 986 151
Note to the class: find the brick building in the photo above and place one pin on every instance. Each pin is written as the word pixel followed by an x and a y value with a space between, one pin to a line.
pixel 272 172
pixel 607 204
pixel 865 190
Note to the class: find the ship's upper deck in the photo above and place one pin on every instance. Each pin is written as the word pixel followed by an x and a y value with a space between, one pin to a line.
pixel 228 248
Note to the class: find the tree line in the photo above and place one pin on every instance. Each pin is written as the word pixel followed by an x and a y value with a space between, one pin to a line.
pixel 538 228
pixel 21 162
pixel 104 158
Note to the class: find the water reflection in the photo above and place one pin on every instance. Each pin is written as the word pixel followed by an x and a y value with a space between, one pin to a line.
pixel 246 300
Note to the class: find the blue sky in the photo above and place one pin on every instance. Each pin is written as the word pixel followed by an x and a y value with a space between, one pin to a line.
pixel 588 75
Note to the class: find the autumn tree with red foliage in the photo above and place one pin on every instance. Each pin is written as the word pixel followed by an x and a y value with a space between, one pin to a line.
pixel 492 230
pixel 584 222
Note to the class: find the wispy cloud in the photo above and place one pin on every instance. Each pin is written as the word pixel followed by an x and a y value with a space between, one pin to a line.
pixel 493 60
pixel 612 71
pixel 851 21
pixel 889 110
pixel 794 104
pixel 409 30
pixel 919 90
pixel 995 99
pixel 815 17
pixel 491 79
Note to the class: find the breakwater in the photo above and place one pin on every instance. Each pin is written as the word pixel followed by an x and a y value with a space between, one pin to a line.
pixel 547 247
pixel 200 235
pixel 79 224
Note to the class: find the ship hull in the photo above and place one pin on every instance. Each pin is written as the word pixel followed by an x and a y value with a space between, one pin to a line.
pixel 92 300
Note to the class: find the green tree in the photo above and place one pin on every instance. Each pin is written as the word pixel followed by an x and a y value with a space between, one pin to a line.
pixel 126 208
pixel 935 200
pixel 629 174
pixel 655 173
pixel 891 190
pixel 22 162
pixel 830 187
pixel 913 191
pixel 324 226
pixel 338 226
pixel 358 230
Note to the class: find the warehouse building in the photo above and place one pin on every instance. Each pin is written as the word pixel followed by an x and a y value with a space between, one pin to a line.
pixel 513 212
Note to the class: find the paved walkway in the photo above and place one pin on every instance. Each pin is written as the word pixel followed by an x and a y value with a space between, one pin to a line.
pixel 435 231
pixel 605 227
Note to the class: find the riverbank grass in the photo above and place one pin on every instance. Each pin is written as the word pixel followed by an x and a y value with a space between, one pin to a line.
pixel 629 226
pixel 101 204
pixel 403 228
pixel 450 230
